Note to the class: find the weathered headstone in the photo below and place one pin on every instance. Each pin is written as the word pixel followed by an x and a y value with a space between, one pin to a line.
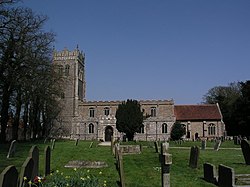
pixel 12 149
pixel 47 153
pixel 203 144
pixel 121 171
pixel 76 142
pixel 245 148
pixel 226 176
pixel 53 144
pixel 34 154
pixel 165 169
pixel 194 157
pixel 156 147
pixel 91 145
pixel 209 173
pixel 217 145
pixel 26 171
pixel 8 177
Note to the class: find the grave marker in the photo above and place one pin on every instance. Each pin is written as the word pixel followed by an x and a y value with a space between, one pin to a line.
pixel 12 149
pixel 53 144
pixel 9 177
pixel 209 173
pixel 76 142
pixel 194 157
pixel 26 171
pixel 203 144
pixel 156 147
pixel 226 176
pixel 217 145
pixel 47 161
pixel 34 154
pixel 245 148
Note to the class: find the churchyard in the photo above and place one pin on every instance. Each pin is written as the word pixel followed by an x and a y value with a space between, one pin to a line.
pixel 141 169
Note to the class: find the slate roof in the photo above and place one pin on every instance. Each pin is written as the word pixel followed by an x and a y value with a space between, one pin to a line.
pixel 197 112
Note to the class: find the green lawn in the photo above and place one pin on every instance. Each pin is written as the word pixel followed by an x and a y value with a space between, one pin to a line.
pixel 142 170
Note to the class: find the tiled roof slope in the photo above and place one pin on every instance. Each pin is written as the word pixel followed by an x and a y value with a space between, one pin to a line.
pixel 197 112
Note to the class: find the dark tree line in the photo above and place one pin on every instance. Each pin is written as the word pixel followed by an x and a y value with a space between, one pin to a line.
pixel 28 85
pixel 234 101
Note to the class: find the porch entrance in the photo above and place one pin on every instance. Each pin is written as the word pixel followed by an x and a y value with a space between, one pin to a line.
pixel 108 133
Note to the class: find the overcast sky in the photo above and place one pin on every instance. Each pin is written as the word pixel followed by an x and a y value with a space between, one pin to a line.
pixel 153 49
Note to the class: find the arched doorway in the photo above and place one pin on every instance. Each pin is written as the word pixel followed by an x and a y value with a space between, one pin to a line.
pixel 196 136
pixel 108 133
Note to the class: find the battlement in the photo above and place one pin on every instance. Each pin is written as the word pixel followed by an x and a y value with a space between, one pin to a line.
pixel 66 54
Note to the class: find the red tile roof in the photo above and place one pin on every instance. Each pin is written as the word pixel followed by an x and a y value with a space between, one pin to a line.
pixel 197 112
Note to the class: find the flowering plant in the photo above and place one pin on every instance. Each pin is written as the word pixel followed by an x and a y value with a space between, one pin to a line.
pixel 58 179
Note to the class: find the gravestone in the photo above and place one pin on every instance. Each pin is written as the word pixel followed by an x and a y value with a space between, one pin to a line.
pixel 245 148
pixel 209 173
pixel 226 176
pixel 121 171
pixel 47 153
pixel 194 157
pixel 53 144
pixel 91 145
pixel 165 169
pixel 156 147
pixel 26 171
pixel 9 177
pixel 164 150
pixel 34 154
pixel 76 142
pixel 12 149
pixel 203 144
pixel 217 145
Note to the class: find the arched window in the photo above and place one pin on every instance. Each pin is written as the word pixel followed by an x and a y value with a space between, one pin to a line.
pixel 106 111
pixel 92 112
pixel 141 129
pixel 164 128
pixel 67 70
pixel 60 70
pixel 211 129
pixel 91 128
pixel 153 112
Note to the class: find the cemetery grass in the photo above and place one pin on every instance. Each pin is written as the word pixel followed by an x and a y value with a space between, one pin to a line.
pixel 141 170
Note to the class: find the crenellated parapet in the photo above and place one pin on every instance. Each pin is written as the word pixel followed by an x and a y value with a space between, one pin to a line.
pixel 65 54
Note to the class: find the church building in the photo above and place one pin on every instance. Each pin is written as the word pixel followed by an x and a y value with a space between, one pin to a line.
pixel 95 120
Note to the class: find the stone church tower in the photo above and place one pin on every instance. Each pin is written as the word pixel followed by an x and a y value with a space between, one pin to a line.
pixel 71 67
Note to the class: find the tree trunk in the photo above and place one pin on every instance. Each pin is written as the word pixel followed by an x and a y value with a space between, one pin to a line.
pixel 4 112
pixel 17 117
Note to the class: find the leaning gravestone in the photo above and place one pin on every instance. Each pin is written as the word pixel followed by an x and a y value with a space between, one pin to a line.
pixel 8 177
pixel 217 145
pixel 12 149
pixel 34 154
pixel 26 171
pixel 47 153
pixel 245 148
pixel 76 142
pixel 194 157
pixel 156 147
pixel 226 176
pixel 53 144
pixel 209 173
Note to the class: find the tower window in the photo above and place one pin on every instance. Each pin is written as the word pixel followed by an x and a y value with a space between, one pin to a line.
pixel 153 112
pixel 106 111
pixel 164 128
pixel 67 70
pixel 141 129
pixel 92 112
pixel 91 128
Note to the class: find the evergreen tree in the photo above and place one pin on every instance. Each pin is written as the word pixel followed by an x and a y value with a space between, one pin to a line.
pixel 129 118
